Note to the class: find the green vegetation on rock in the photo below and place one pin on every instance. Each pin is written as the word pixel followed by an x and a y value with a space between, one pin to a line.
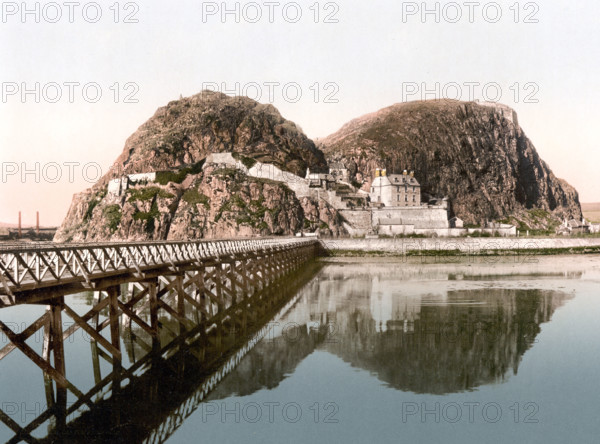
pixel 113 215
pixel 94 201
pixel 226 172
pixel 193 197
pixel 247 161
pixel 147 194
pixel 149 217
pixel 164 177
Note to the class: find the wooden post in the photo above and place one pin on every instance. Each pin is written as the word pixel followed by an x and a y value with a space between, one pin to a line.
pixel 58 352
pixel 115 339
pixel 180 301
pixel 221 305
pixel 153 298
pixel 46 350
pixel 232 279
pixel 93 343
pixel 126 320
pixel 113 304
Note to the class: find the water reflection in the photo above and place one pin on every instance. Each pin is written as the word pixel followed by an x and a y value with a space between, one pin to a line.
pixel 420 329
pixel 159 385
pixel 413 332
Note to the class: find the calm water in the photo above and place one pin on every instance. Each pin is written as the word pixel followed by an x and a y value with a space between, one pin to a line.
pixel 387 351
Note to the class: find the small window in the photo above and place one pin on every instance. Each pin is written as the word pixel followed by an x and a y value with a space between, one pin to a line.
pixel 414 198
pixel 406 198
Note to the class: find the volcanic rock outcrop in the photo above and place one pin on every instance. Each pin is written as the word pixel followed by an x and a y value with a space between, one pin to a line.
pixel 187 201
pixel 475 154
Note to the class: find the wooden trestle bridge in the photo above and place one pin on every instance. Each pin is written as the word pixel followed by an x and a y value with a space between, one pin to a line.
pixel 208 300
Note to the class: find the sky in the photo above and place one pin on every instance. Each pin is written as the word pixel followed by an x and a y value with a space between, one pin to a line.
pixel 78 78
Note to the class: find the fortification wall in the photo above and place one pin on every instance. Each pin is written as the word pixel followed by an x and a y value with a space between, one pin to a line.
pixel 420 217
pixel 263 171
pixel 359 221
pixel 223 159
pixel 267 171
pixel 463 244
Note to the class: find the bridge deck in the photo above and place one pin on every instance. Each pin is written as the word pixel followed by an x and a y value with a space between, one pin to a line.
pixel 200 298
pixel 32 273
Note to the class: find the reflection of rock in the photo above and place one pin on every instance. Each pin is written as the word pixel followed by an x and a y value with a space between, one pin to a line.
pixel 269 363
pixel 410 336
pixel 450 347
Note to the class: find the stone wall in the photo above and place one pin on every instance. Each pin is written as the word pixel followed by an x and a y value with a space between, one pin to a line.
pixel 463 244
pixel 358 222
pixel 502 231
pixel 263 171
pixel 420 217
pixel 116 187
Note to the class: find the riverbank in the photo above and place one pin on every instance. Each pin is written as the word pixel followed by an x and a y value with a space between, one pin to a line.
pixel 461 247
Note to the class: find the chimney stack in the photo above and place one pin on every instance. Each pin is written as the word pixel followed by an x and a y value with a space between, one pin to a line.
pixel 412 174
pixel 37 222
pixel 405 173
pixel 19 225
pixel 384 172
pixel 378 172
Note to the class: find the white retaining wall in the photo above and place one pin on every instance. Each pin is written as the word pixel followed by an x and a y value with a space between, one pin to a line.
pixel 463 244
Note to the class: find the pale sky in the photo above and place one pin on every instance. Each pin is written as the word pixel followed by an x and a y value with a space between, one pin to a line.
pixel 368 60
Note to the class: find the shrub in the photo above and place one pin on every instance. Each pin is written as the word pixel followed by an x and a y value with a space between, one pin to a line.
pixel 149 217
pixel 193 197
pixel 247 161
pixel 164 177
pixel 148 193
pixel 113 215
pixel 227 172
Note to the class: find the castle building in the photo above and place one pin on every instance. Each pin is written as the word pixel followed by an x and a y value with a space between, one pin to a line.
pixel 395 190
pixel 339 171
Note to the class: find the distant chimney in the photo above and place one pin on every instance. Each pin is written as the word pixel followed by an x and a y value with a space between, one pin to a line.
pixel 37 222
pixel 19 225
pixel 384 172
pixel 412 174
pixel 377 172
pixel 405 173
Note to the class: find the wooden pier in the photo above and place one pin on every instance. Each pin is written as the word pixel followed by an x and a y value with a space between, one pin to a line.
pixel 162 296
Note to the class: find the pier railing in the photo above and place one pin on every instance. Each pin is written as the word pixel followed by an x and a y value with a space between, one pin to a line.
pixel 38 266
pixel 162 294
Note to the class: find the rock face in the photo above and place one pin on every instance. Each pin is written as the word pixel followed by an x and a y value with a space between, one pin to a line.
pixel 476 155
pixel 187 201
pixel 187 130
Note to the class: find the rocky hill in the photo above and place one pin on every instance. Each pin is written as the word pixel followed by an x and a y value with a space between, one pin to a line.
pixel 187 201
pixel 477 155
pixel 187 130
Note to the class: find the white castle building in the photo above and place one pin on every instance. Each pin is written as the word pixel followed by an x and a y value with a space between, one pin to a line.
pixel 395 190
